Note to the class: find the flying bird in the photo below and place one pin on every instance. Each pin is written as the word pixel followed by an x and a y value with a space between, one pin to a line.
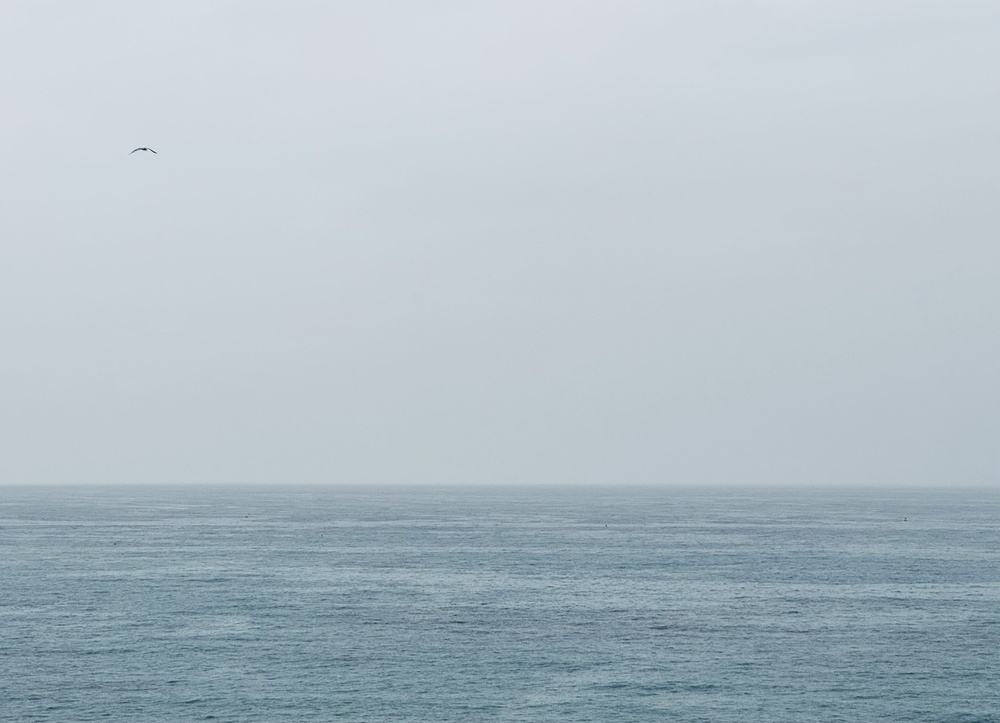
pixel 142 149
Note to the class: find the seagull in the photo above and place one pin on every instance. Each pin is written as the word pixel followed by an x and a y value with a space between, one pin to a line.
pixel 142 149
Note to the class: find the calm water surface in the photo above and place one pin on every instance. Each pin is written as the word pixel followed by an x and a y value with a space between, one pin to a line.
pixel 298 604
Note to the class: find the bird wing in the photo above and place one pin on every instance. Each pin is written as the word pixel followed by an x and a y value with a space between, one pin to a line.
pixel 151 150
pixel 131 152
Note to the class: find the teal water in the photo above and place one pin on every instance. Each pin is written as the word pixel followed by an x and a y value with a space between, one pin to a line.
pixel 295 604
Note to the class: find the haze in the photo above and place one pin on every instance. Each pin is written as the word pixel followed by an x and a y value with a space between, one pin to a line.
pixel 514 242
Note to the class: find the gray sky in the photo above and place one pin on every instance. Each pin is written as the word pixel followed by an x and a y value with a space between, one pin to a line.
pixel 511 242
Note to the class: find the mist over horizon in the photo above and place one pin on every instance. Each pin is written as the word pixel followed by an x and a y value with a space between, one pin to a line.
pixel 632 243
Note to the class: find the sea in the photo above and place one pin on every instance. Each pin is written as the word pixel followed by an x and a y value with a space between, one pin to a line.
pixel 499 604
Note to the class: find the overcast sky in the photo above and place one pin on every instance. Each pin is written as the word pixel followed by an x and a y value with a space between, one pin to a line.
pixel 624 242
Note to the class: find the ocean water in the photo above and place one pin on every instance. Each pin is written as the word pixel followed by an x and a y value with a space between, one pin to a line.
pixel 298 604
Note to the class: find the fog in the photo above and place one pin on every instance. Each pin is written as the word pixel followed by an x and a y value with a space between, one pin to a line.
pixel 508 243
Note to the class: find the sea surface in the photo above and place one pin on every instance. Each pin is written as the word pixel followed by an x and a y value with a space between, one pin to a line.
pixel 513 604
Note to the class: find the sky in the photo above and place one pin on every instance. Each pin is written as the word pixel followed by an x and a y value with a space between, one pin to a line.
pixel 697 242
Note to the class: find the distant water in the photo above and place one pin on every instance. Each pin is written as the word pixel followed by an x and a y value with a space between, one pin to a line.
pixel 254 604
